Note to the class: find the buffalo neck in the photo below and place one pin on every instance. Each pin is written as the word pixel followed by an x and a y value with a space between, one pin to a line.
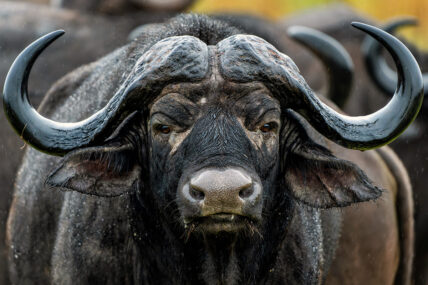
pixel 220 264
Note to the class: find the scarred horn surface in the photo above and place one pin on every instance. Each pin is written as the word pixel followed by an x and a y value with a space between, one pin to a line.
pixel 246 58
pixel 183 57
pixel 383 76
pixel 335 58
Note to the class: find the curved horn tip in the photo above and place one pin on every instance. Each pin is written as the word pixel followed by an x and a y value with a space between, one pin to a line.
pixel 54 35
pixel 41 43
pixel 15 94
pixel 383 76
pixel 302 32
pixel 59 32
pixel 375 32
pixel 293 30
pixel 391 26
pixel 362 26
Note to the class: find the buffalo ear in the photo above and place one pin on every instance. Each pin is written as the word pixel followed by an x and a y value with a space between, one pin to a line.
pixel 106 171
pixel 319 179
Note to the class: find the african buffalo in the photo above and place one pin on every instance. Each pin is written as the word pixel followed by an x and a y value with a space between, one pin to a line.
pixel 212 161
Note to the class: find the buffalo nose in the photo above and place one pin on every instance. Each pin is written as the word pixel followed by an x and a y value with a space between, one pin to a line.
pixel 222 191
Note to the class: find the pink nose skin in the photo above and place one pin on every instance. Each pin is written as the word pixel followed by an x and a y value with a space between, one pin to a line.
pixel 217 191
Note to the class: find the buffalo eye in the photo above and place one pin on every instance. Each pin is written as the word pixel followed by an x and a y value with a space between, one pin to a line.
pixel 164 129
pixel 269 127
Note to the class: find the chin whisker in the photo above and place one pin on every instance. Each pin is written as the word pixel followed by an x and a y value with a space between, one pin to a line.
pixel 190 228
pixel 252 229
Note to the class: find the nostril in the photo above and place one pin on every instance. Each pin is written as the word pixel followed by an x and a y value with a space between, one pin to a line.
pixel 196 194
pixel 246 192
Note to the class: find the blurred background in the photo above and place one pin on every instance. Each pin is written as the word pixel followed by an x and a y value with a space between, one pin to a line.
pixel 381 10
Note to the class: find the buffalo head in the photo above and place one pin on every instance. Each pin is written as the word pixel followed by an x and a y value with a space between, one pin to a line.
pixel 214 133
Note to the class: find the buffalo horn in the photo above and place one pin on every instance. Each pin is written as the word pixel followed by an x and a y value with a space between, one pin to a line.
pixel 44 134
pixel 383 126
pixel 383 76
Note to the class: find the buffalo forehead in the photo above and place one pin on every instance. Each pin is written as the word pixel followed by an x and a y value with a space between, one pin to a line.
pixel 213 90
pixel 245 58
pixel 182 58
pixel 237 65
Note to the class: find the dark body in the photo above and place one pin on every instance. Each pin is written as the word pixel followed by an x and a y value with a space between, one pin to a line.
pixel 88 235
pixel 367 97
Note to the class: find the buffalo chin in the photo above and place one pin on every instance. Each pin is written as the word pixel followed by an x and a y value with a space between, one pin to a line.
pixel 222 223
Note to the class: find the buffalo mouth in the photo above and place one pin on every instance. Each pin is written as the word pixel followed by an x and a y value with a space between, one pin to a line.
pixel 222 223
